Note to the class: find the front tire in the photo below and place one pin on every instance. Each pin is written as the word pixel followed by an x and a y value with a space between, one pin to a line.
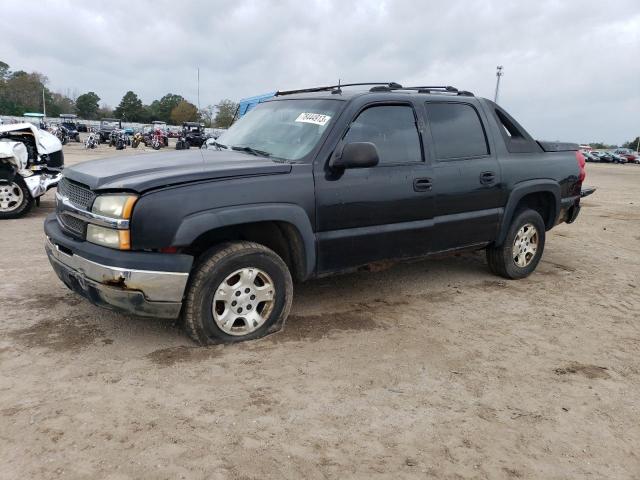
pixel 239 291
pixel 522 249
pixel 15 199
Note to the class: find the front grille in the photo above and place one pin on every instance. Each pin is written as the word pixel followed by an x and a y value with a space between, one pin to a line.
pixel 74 225
pixel 81 197
pixel 77 194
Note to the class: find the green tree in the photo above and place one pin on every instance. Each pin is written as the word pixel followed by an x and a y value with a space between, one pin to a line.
pixel 207 115
pixel 600 145
pixel 161 109
pixel 226 111
pixel 130 108
pixel 633 144
pixel 4 71
pixel 184 112
pixel 87 105
pixel 58 103
pixel 23 91
pixel 105 111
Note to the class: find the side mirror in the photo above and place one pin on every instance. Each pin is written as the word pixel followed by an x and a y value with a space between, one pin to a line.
pixel 356 155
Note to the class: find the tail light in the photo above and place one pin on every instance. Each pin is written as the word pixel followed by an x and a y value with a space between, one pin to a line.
pixel 581 163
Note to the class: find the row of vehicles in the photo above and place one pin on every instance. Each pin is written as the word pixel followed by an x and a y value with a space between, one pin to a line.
pixel 620 155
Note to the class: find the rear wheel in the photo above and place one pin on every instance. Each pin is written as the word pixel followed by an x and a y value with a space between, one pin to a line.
pixel 15 198
pixel 239 291
pixel 522 249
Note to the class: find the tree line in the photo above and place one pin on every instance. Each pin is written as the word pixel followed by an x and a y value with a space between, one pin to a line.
pixel 631 144
pixel 22 92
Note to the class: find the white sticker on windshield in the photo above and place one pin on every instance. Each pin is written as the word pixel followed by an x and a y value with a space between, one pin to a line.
pixel 315 118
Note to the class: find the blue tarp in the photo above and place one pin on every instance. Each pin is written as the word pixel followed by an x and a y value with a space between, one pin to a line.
pixel 249 103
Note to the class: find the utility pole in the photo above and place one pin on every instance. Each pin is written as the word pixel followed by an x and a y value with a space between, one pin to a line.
pixel 198 89
pixel 499 73
pixel 44 105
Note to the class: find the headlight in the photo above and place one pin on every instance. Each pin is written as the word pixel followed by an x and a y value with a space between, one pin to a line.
pixel 108 237
pixel 114 206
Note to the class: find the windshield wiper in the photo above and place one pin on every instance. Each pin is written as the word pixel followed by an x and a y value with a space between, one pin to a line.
pixel 251 150
pixel 219 146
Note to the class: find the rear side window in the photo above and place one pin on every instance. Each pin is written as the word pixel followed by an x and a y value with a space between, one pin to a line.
pixel 392 129
pixel 457 131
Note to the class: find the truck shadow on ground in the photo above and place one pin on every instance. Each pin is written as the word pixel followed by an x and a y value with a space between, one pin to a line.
pixel 322 307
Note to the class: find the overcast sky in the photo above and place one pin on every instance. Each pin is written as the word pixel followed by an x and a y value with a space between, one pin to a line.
pixel 571 68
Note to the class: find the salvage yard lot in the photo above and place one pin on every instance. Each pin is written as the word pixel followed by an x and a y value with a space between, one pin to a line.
pixel 429 369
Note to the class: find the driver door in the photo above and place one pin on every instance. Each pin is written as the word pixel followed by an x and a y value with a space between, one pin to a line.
pixel 383 212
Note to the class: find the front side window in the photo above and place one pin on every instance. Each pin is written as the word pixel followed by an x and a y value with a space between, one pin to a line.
pixel 392 129
pixel 282 129
pixel 457 131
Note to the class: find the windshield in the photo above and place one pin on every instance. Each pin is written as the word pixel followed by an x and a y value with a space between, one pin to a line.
pixel 285 129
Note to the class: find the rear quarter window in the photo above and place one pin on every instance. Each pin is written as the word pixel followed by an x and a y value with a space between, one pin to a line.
pixel 457 131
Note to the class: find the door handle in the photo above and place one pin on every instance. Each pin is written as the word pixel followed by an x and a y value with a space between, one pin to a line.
pixel 422 184
pixel 487 178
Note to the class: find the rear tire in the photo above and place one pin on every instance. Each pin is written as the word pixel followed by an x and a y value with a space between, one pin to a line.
pixel 239 291
pixel 522 249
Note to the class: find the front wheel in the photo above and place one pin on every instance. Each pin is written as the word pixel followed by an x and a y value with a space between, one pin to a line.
pixel 522 249
pixel 239 291
pixel 15 199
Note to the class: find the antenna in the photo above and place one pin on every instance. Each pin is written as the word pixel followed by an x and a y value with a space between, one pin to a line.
pixel 198 88
pixel 499 73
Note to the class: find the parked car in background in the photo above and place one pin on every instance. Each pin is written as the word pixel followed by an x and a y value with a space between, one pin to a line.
pixel 633 157
pixel 589 157
pixel 630 155
pixel 618 158
pixel 108 125
pixel 192 136
pixel 603 156
pixel 68 122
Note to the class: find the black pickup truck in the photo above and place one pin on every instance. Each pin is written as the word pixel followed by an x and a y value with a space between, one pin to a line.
pixel 310 183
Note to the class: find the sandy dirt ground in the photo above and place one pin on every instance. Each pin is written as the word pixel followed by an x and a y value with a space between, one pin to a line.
pixel 434 369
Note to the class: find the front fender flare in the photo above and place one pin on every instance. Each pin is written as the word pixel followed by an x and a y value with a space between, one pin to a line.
pixel 542 185
pixel 201 222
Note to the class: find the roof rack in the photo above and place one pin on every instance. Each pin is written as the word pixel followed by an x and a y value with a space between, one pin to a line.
pixel 337 88
pixel 380 87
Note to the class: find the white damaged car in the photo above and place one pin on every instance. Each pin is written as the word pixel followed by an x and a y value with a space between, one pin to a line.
pixel 31 162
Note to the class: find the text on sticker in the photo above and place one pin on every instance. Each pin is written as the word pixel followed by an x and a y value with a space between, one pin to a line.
pixel 315 118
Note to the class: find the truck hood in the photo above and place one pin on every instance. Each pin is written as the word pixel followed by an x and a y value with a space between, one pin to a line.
pixel 45 142
pixel 139 173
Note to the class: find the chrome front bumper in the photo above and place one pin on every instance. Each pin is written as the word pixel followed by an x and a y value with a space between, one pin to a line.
pixel 139 292
pixel 38 184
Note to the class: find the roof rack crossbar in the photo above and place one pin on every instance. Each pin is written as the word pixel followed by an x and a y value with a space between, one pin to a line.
pixel 332 87
pixel 440 88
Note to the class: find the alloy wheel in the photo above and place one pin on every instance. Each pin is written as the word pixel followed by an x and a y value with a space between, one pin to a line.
pixel 11 197
pixel 525 245
pixel 243 302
